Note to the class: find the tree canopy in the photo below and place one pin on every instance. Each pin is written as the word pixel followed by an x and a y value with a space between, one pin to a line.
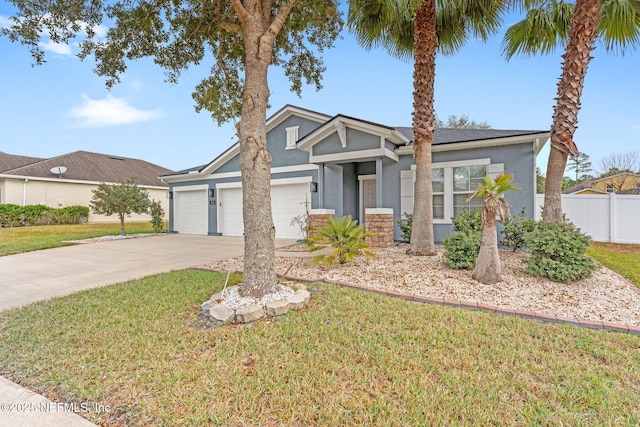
pixel 122 199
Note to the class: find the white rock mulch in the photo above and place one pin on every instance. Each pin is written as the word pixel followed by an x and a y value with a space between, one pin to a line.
pixel 605 296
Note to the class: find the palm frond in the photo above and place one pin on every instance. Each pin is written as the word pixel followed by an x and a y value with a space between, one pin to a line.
pixel 620 25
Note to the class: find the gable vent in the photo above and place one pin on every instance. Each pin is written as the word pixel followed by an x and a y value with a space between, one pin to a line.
pixel 292 137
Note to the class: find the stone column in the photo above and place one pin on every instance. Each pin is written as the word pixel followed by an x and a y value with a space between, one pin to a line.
pixel 380 222
pixel 319 218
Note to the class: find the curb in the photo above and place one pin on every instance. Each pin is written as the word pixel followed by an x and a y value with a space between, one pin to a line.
pixel 540 317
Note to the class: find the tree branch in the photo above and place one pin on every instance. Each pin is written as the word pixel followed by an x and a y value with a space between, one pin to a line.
pixel 241 11
pixel 279 20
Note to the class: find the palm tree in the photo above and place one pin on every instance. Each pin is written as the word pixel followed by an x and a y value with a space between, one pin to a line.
pixel 616 22
pixel 488 268
pixel 418 28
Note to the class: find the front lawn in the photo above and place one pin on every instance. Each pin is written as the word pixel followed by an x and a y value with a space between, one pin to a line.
pixel 624 259
pixel 350 358
pixel 14 240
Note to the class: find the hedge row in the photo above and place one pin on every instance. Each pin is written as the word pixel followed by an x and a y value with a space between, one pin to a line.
pixel 16 216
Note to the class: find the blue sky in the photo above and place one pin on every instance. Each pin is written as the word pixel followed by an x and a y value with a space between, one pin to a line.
pixel 62 106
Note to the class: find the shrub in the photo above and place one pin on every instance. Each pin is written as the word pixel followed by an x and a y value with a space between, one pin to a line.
pixel 516 229
pixel 558 252
pixel 10 215
pixel 75 214
pixel 345 236
pixel 468 221
pixel 461 249
pixel 462 246
pixel 157 216
pixel 405 226
pixel 32 214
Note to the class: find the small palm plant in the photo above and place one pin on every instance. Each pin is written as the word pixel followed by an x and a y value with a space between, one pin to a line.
pixel 488 268
pixel 346 237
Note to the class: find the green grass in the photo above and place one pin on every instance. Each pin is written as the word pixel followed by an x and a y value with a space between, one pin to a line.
pixel 16 240
pixel 624 259
pixel 350 358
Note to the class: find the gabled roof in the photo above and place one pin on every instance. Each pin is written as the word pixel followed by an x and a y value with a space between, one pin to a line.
pixel 94 167
pixel 584 185
pixel 453 136
pixel 604 178
pixel 11 161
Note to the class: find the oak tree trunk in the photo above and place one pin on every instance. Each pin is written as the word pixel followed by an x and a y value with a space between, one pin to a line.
pixel 425 45
pixel 582 36
pixel 255 166
pixel 488 269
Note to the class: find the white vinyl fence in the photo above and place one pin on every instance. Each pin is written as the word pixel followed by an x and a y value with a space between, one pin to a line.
pixel 605 217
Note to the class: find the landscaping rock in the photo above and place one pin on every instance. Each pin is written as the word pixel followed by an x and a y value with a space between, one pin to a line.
pixel 298 286
pixel 277 308
pixel 296 302
pixel 250 313
pixel 305 294
pixel 220 315
pixel 205 307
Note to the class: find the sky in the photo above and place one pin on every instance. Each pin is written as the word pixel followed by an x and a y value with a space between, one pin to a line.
pixel 62 106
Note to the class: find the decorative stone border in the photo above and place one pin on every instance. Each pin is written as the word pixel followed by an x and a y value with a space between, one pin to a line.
pixel 541 317
pixel 220 314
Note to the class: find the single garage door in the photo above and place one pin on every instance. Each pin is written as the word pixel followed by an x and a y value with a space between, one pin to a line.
pixel 191 210
pixel 287 201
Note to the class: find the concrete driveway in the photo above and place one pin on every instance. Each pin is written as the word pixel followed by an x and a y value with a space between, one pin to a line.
pixel 34 276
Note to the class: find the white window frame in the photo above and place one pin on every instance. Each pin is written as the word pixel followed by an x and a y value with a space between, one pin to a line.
pixel 448 183
pixel 610 188
pixel 292 137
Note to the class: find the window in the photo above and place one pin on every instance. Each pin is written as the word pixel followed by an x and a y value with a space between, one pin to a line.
pixel 465 181
pixel 452 186
pixel 292 137
pixel 453 183
pixel 610 188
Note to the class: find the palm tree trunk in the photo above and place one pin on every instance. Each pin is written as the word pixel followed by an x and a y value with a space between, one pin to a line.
pixel 488 269
pixel 582 36
pixel 425 45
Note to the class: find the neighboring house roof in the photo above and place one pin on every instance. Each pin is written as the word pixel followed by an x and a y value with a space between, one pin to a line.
pixel 584 185
pixel 11 161
pixel 95 167
pixel 604 178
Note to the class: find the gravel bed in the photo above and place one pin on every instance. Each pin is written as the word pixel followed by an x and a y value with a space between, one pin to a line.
pixel 605 296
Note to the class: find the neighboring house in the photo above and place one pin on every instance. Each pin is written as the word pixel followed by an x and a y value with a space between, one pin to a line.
pixel 69 179
pixel 349 166
pixel 621 183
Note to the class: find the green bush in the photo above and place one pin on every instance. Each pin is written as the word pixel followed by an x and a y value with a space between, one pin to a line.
pixel 463 245
pixel 405 226
pixel 461 249
pixel 345 236
pixel 32 214
pixel 558 252
pixel 157 216
pixel 10 215
pixel 468 221
pixel 516 229
pixel 75 214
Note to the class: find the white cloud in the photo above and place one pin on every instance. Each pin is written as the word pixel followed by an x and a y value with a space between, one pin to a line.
pixel 137 84
pixel 5 22
pixel 109 112
pixel 58 48
pixel 636 127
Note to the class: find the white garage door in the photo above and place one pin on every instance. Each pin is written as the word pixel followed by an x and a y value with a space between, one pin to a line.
pixel 287 201
pixel 191 210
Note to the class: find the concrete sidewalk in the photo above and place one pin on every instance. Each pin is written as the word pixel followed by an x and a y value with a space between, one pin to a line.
pixel 35 276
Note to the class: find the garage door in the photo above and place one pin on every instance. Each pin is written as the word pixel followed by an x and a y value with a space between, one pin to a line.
pixel 287 201
pixel 191 212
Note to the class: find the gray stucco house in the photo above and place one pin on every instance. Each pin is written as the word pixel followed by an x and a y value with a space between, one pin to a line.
pixel 348 166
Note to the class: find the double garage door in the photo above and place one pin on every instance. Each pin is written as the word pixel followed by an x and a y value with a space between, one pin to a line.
pixel 287 202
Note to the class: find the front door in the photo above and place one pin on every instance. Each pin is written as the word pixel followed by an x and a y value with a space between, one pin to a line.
pixel 367 194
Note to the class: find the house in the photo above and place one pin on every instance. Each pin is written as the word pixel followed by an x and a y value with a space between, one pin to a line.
pixel 620 183
pixel 69 179
pixel 348 166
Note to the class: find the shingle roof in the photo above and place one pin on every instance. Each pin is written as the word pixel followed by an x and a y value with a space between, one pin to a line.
pixel 87 166
pixel 581 186
pixel 450 136
pixel 11 161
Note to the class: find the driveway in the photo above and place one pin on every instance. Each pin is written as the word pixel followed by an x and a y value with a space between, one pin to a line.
pixel 34 276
